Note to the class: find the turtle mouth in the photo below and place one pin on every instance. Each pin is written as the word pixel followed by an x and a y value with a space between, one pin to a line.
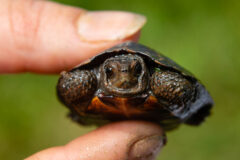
pixel 126 90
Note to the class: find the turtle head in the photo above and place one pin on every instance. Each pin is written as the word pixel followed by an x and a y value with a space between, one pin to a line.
pixel 124 75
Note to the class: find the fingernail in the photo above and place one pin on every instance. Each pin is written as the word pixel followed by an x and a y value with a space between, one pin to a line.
pixel 108 25
pixel 147 148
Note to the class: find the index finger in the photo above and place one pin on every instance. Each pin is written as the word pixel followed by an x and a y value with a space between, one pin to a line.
pixel 45 37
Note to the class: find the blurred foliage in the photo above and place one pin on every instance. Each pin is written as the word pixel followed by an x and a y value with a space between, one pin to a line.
pixel 201 35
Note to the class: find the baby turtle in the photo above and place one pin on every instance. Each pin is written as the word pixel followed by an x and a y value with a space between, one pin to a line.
pixel 131 81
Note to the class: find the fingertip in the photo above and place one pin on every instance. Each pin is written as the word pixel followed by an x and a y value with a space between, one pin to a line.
pixel 120 140
pixel 104 26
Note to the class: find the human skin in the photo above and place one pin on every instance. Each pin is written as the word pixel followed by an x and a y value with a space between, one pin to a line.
pixel 46 37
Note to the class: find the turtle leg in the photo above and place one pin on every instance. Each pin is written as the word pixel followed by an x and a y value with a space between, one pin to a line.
pixel 171 87
pixel 175 91
pixel 76 90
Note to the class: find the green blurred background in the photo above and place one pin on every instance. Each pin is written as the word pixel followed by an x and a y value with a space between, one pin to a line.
pixel 201 35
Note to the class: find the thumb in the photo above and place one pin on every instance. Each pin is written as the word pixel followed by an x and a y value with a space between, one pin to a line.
pixel 131 140
pixel 47 37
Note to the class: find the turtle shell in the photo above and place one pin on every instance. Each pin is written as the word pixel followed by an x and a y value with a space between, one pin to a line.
pixel 196 110
pixel 136 48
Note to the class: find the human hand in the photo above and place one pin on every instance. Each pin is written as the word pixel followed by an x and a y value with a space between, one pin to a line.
pixel 45 37
pixel 127 140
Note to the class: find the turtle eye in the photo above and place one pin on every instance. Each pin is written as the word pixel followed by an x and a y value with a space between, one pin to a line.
pixel 109 71
pixel 137 69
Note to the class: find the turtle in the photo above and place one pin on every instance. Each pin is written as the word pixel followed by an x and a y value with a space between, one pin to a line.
pixel 133 82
